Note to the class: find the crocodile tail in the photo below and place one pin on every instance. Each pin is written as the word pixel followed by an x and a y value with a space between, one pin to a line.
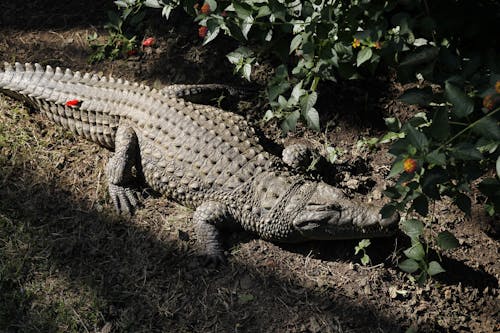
pixel 61 96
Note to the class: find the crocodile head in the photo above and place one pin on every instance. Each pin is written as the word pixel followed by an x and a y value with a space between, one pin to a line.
pixel 328 215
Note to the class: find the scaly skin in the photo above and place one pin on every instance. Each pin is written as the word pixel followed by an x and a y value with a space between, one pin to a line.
pixel 197 155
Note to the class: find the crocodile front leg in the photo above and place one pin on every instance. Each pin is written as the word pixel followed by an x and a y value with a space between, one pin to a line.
pixel 208 218
pixel 119 171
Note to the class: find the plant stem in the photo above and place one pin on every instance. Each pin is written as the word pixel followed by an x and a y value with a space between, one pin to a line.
pixel 467 128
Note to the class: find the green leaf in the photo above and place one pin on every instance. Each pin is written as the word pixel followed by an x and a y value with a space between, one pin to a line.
pixel 290 122
pixel 416 138
pixel 213 31
pixel 463 105
pixel 275 90
pixel 312 118
pixel 415 252
pixel 421 205
pixel 440 127
pixel 245 298
pixel 296 41
pixel 409 266
pixel 397 168
pixel 417 96
pixel 392 193
pixel 393 124
pixel 247 71
pixel 435 268
pixel 365 260
pixel 153 4
pixel 308 101
pixel 364 243
pixel 412 228
pixel 435 157
pixel 363 56
pixel 447 241
pixel 243 10
pixel 212 4
pixel 246 25
pixel 498 166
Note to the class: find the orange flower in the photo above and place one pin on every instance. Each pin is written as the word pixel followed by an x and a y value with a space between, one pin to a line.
pixel 202 31
pixel 205 9
pixel 497 87
pixel 356 43
pixel 148 42
pixel 410 165
pixel 489 102
pixel 377 45
pixel 73 102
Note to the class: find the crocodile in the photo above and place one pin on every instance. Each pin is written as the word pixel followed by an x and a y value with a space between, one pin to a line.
pixel 198 155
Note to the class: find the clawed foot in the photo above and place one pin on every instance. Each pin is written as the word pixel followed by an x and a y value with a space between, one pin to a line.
pixel 125 199
pixel 213 259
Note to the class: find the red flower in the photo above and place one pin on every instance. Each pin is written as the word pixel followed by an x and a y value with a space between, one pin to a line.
pixel 148 42
pixel 73 103
pixel 223 13
pixel 410 165
pixel 202 31
pixel 205 9
pixel 132 52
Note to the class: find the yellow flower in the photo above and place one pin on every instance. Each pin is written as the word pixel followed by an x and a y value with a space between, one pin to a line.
pixel 410 165
pixel 497 87
pixel 356 43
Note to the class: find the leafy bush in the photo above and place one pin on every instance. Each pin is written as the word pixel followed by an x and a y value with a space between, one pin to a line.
pixel 436 45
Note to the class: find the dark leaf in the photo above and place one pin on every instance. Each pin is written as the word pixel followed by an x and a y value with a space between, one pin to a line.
pixel 388 211
pixel 421 205
pixel 417 96
pixel 466 151
pixel 446 240
pixel 440 127
pixel 416 138
pixel 463 202
pixel 435 157
pixel 431 179
pixel 488 128
pixel 421 56
pixel 463 105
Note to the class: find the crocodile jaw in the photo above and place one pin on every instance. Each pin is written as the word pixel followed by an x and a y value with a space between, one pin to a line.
pixel 328 215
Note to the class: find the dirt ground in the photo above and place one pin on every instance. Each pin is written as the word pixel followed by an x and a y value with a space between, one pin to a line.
pixel 69 264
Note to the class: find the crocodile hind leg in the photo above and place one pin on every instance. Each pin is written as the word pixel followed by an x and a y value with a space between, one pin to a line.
pixel 119 171
pixel 208 218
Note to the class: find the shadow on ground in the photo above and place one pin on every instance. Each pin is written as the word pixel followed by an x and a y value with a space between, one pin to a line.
pixel 142 282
